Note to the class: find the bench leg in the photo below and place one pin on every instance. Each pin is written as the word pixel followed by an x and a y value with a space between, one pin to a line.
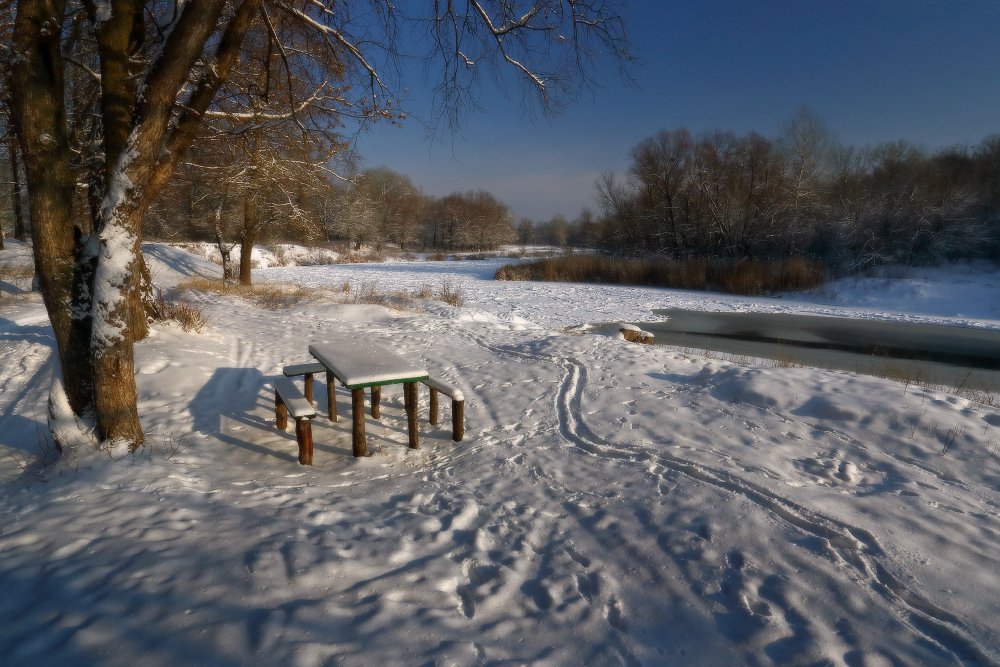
pixel 358 442
pixel 309 388
pixel 280 412
pixel 304 436
pixel 376 399
pixel 410 400
pixel 434 406
pixel 457 420
pixel 331 396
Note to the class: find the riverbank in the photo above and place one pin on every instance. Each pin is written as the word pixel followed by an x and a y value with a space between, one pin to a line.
pixel 611 503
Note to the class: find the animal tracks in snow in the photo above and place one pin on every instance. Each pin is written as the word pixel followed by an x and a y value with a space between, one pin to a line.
pixel 745 599
pixel 828 470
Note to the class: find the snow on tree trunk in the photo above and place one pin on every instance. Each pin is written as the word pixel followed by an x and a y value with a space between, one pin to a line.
pixel 70 431
pixel 116 308
pixel 225 250
pixel 247 238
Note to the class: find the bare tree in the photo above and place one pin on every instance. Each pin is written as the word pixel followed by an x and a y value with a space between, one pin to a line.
pixel 469 221
pixel 621 209
pixel 380 206
pixel 397 206
pixel 9 140
pixel 662 167
pixel 155 69
pixel 806 145
pixel 271 172
pixel 17 204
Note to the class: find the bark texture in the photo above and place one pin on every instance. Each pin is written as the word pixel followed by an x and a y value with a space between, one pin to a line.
pixel 39 114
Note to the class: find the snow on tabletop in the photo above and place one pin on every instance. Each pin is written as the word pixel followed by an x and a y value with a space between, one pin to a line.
pixel 361 362
pixel 617 503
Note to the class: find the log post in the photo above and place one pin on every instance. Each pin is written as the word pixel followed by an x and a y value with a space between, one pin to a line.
pixel 457 420
pixel 304 436
pixel 309 388
pixel 280 412
pixel 358 441
pixel 410 400
pixel 331 396
pixel 376 400
pixel 434 406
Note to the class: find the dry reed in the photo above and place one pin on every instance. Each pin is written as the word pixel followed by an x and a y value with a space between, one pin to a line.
pixel 743 277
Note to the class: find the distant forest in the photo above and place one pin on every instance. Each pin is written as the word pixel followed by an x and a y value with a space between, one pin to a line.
pixel 717 195
pixel 802 194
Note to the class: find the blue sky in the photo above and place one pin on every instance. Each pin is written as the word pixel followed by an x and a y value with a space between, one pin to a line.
pixel 874 70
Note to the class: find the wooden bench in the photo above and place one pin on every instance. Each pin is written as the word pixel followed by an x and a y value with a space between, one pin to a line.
pixel 457 406
pixel 288 400
pixel 307 369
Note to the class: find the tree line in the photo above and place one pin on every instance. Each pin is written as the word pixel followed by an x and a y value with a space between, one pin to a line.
pixel 375 208
pixel 727 196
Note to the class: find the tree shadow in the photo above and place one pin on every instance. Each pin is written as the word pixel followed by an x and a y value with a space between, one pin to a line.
pixel 241 396
pixel 181 262
pixel 233 395
pixel 32 333
pixel 28 436
pixel 674 378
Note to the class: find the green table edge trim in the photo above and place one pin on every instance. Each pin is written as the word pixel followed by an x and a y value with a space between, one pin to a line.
pixel 365 385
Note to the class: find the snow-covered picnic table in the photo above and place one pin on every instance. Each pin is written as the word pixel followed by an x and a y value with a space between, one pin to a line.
pixel 359 364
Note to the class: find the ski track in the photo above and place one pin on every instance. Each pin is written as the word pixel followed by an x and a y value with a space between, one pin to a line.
pixel 327 573
pixel 851 545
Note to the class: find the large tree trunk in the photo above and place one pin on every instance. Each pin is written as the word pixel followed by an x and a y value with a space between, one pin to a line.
pixel 40 118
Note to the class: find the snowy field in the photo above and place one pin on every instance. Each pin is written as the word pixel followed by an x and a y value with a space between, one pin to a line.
pixel 611 504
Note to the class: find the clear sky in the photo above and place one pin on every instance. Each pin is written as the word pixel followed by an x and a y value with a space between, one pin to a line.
pixel 927 71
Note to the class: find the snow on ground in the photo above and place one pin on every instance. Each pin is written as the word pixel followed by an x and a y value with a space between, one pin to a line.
pixel 611 503
pixel 924 295
pixel 262 257
pixel 958 291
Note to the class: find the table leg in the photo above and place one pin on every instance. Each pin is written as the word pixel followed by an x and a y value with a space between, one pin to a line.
pixel 433 417
pixel 358 441
pixel 304 436
pixel 280 412
pixel 331 396
pixel 308 381
pixel 457 420
pixel 376 399
pixel 410 400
